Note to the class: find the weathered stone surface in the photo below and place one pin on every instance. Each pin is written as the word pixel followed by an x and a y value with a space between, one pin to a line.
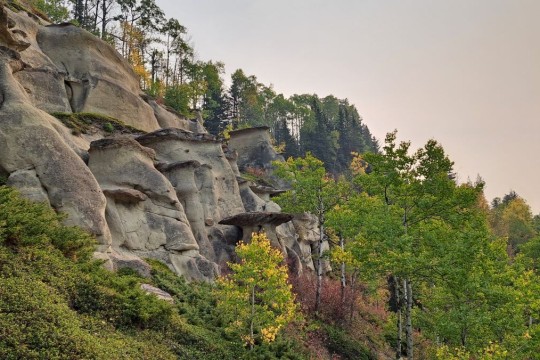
pixel 98 79
pixel 160 294
pixel 142 208
pixel 41 79
pixel 306 226
pixel 161 196
pixel 28 184
pixel 255 151
pixel 257 218
pixel 182 177
pixel 209 185
pixel 126 260
pixel 28 141
pixel 167 118
pixel 143 211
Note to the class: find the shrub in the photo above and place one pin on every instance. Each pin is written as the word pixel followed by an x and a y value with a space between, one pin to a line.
pixel 24 223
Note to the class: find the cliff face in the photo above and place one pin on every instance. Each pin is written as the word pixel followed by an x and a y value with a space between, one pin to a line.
pixel 158 195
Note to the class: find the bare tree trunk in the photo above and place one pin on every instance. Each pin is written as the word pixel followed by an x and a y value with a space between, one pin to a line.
pixel 319 270
pixel 343 278
pixel 399 321
pixel 79 12
pixel 96 16
pixel 104 13
pixel 351 306
pixel 408 326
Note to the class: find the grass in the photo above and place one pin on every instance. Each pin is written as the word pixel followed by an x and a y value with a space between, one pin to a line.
pixel 84 123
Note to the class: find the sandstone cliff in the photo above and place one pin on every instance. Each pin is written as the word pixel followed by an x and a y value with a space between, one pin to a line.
pixel 162 191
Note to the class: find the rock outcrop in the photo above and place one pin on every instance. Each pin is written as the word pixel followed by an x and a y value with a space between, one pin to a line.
pixel 202 176
pixel 163 194
pixel 36 157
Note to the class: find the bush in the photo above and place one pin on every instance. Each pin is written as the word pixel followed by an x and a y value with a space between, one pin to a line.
pixel 24 223
pixel 341 343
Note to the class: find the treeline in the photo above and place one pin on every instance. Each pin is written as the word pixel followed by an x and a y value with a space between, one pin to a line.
pixel 162 55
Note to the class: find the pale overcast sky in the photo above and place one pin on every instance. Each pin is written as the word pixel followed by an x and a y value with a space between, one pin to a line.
pixel 464 72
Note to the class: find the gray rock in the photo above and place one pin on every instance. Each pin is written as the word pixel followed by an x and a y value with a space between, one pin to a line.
pixel 160 294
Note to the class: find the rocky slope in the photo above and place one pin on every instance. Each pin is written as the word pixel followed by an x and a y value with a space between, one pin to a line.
pixel 165 194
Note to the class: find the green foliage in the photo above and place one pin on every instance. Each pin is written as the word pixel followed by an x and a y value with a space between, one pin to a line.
pixel 255 300
pixel 511 218
pixel 52 307
pixel 178 98
pixel 342 344
pixel 84 123
pixel 108 127
pixel 57 308
pixel 55 10
pixel 23 223
pixel 312 190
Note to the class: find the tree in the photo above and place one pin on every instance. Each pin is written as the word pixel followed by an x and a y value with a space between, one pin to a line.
pixel 511 218
pixel 215 104
pixel 256 299
pixel 56 10
pixel 419 192
pixel 312 191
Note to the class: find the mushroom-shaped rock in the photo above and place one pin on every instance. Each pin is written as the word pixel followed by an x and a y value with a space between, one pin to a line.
pixel 274 224
pixel 265 192
pixel 255 151
pixel 258 221
pixel 257 218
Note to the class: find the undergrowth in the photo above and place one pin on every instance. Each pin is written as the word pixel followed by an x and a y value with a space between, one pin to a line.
pixel 58 303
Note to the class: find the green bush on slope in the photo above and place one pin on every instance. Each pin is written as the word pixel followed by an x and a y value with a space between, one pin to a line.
pixel 56 303
pixel 43 266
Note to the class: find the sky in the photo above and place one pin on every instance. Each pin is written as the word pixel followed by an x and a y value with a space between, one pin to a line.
pixel 463 72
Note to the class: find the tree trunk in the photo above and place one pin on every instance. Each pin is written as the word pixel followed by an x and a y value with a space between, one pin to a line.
pixel 351 305
pixel 79 12
pixel 408 326
pixel 399 327
pixel 319 271
pixel 167 63
pixel 343 278
pixel 104 14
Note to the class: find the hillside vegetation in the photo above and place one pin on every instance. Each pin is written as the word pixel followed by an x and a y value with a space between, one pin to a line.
pixel 58 303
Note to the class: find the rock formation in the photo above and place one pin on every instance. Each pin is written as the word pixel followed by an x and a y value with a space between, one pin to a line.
pixel 162 194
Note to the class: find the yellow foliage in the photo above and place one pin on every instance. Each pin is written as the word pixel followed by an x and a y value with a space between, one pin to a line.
pixel 256 299
pixel 358 164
